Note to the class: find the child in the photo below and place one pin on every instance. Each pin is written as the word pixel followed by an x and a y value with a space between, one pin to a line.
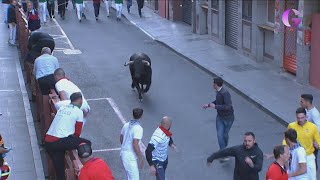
pixel 33 18
pixel 119 8
pixel 12 22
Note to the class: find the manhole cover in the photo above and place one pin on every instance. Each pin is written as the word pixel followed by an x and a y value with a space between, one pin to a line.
pixel 242 67
pixel 71 51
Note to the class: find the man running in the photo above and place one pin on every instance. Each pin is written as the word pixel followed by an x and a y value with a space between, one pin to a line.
pixel 80 12
pixel 249 158
pixel 225 113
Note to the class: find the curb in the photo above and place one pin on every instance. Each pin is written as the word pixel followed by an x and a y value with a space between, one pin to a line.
pixel 231 86
pixel 31 127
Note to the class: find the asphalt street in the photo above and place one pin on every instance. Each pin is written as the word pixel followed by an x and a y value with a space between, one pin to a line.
pixel 178 90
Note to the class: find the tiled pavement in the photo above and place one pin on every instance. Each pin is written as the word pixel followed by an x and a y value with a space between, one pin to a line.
pixel 17 126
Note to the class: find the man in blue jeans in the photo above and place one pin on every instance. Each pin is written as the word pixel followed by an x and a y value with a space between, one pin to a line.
pixel 225 113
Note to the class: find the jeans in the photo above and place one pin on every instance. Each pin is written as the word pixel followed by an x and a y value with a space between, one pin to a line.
pixel 161 169
pixel 140 5
pixel 96 7
pixel 56 151
pixel 43 11
pixel 223 127
pixel 13 33
pixel 119 10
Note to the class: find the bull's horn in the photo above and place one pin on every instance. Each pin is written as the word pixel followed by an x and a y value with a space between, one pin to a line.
pixel 146 62
pixel 128 63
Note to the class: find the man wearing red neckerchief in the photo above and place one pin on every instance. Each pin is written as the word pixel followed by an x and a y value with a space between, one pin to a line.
pixel 157 150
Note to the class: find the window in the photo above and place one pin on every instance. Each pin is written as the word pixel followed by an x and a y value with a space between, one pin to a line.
pixel 271 11
pixel 215 4
pixel 247 10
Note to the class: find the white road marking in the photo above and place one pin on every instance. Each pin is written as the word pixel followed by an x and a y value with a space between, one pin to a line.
pixel 64 34
pixel 106 150
pixel 8 90
pixel 120 116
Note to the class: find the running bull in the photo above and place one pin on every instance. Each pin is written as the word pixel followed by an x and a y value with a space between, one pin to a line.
pixel 141 72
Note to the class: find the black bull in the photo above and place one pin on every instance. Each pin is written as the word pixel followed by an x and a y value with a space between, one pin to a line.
pixel 36 42
pixel 141 72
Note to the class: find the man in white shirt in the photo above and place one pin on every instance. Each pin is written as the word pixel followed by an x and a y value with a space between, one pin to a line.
pixel 313 116
pixel 157 150
pixel 65 88
pixel 298 159
pixel 64 133
pixel 44 67
pixel 131 135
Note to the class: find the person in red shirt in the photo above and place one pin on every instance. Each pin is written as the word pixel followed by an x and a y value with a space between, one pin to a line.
pixel 277 170
pixel 93 168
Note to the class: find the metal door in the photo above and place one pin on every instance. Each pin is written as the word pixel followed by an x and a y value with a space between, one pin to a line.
pixel 187 11
pixel 231 23
pixel 290 41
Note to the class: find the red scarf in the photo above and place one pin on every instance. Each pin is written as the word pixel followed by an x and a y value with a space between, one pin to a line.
pixel 167 132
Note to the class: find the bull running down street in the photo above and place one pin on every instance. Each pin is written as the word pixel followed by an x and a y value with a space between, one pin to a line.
pixel 178 90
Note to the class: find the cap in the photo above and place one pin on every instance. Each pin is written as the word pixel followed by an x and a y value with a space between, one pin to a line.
pixel 84 150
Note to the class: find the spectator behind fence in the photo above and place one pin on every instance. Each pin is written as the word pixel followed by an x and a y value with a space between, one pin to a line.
pixel 64 133
pixel 12 21
pixel 44 67
pixel 93 168
pixel 4 167
pixel 33 17
pixel 65 88
pixel 278 170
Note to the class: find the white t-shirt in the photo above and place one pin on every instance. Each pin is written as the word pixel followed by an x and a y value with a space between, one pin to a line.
pixel 298 155
pixel 69 88
pixel 65 120
pixel 313 116
pixel 45 65
pixel 160 141
pixel 131 130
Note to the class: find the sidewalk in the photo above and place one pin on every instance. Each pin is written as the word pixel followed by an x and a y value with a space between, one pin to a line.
pixel 17 126
pixel 275 92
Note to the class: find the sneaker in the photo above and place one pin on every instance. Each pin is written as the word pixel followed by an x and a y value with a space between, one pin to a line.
pixel 84 16
pixel 97 19
pixel 223 160
pixel 108 15
pixel 79 20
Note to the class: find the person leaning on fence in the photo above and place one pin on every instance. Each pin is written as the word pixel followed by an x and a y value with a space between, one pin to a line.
pixel 44 67
pixel 64 133
pixel 33 18
pixel 65 88
pixel 12 21
pixel 93 167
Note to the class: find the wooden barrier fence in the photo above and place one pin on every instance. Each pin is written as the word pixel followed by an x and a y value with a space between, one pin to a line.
pixel 45 104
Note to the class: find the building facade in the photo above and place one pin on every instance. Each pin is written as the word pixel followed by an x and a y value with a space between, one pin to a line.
pixel 254 28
